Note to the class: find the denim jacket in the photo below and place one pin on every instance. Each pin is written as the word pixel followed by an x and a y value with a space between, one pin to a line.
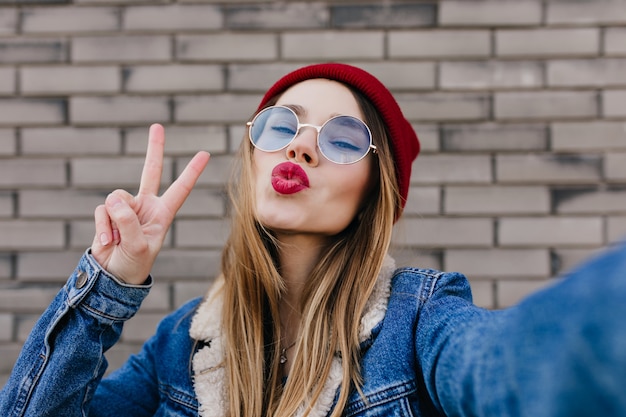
pixel 427 351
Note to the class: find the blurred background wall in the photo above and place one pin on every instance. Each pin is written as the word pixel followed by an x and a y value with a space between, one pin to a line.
pixel 520 106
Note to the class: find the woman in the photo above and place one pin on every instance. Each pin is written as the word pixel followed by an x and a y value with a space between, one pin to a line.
pixel 309 316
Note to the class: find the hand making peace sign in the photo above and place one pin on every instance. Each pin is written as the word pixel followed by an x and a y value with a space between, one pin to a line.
pixel 130 229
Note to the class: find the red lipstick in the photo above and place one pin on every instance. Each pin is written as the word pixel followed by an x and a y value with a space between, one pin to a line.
pixel 289 178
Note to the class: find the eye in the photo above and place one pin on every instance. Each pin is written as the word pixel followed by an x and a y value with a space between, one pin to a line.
pixel 283 129
pixel 344 144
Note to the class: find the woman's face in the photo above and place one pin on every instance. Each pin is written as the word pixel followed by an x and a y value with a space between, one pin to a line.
pixel 297 189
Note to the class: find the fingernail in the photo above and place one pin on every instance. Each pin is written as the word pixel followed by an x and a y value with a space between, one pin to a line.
pixel 104 239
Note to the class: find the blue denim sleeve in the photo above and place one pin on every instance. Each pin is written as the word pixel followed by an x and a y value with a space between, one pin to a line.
pixel 63 360
pixel 560 352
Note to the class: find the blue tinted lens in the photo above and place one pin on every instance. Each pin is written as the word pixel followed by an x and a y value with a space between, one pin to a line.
pixel 344 139
pixel 273 128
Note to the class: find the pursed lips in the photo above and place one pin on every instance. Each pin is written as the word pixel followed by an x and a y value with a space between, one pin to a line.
pixel 289 178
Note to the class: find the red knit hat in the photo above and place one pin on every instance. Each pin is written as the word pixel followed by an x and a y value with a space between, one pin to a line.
pixel 404 142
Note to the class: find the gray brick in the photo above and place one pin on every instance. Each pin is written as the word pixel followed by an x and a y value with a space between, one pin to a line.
pixel 616 229
pixel 172 17
pixel 8 21
pixel 509 293
pixel 65 204
pixel 395 75
pixel 6 327
pixel 7 142
pixel 6 206
pixel 237 133
pixel 6 266
pixel 217 172
pixel 113 172
pixel 545 104
pixel 490 13
pixel 615 166
pixel 444 232
pixel 446 168
pixel 614 103
pixel 187 264
pixel 499 263
pixel 23 50
pixel 32 234
pixel 589 201
pixel 494 137
pixel 497 200
pixel 16 111
pixel 402 75
pixel 123 48
pixel 140 327
pixel 185 291
pixel 440 43
pixel 483 293
pixel 159 297
pixel 615 41
pixel 256 77
pixel 550 231
pixel 70 141
pixel 120 352
pixel 490 74
pixel 81 233
pixel 569 258
pixel 173 78
pixel 69 19
pixel 226 47
pixel 56 80
pixel 180 140
pixel 547 42
pixel 201 233
pixel 218 108
pixel 329 45
pixel 542 168
pixel 587 72
pixel 8 356
pixel 119 110
pixel 588 136
pixel 7 80
pixel 387 15
pixel 46 266
pixel 300 15
pixel 26 172
pixel 428 136
pixel 444 106
pixel 423 200
pixel 424 258
pixel 203 202
pixel 586 12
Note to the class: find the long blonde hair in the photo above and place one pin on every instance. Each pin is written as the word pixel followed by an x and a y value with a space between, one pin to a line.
pixel 332 302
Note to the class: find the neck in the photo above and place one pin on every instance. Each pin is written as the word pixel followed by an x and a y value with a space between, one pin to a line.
pixel 298 255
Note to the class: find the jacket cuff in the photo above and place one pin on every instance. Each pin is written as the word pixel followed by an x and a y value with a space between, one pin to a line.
pixel 93 288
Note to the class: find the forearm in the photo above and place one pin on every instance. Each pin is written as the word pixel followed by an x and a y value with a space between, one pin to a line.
pixel 63 360
pixel 561 352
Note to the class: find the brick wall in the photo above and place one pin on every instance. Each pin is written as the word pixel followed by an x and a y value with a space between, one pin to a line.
pixel 520 106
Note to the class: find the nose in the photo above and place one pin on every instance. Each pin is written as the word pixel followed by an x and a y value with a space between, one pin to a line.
pixel 304 147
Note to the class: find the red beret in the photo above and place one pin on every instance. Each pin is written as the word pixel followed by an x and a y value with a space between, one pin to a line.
pixel 404 142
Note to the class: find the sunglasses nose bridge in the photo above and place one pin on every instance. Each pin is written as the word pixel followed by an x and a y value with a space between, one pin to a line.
pixel 317 128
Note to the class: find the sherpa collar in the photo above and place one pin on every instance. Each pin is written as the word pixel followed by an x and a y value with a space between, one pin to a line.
pixel 209 373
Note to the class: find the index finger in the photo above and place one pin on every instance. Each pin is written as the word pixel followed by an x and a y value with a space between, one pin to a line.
pixel 177 193
pixel 153 165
